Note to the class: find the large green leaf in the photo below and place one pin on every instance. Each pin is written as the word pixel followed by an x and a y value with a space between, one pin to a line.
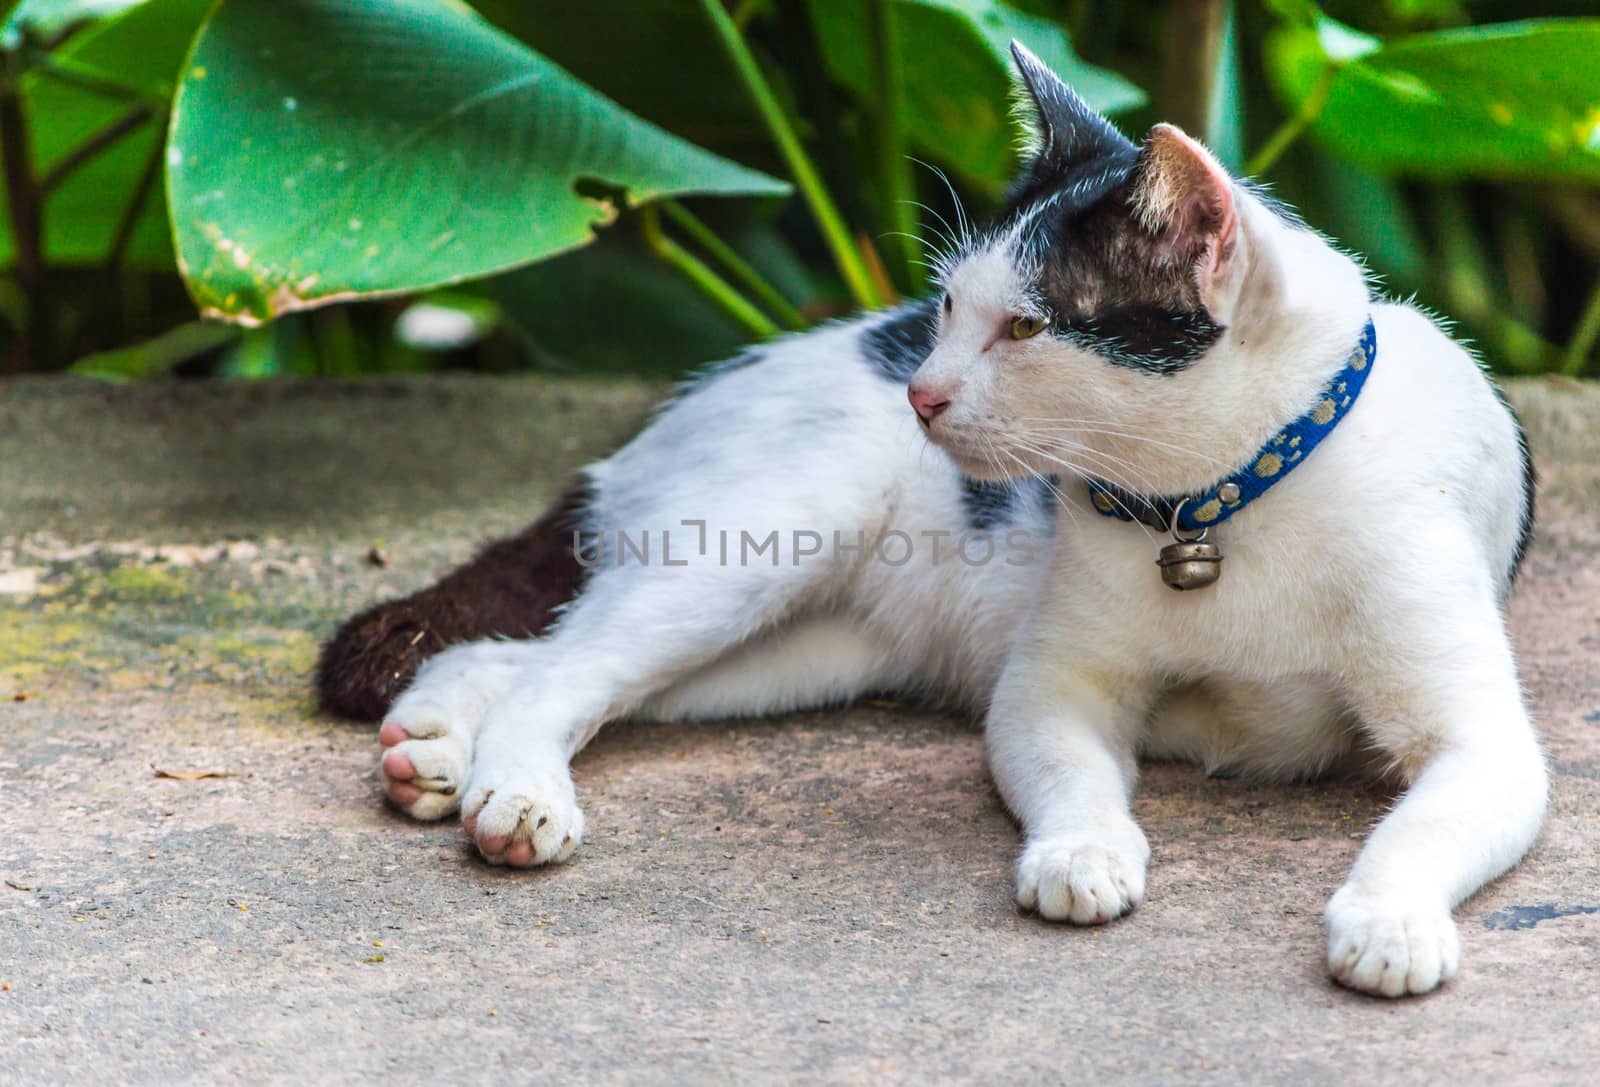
pixel 613 308
pixel 1513 100
pixel 141 51
pixel 956 61
pixel 632 51
pixel 323 150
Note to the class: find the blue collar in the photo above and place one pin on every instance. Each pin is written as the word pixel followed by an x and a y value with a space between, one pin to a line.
pixel 1283 452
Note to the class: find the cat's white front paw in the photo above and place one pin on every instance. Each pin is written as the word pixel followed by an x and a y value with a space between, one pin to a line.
pixel 428 734
pixel 424 766
pixel 1084 880
pixel 1389 947
pixel 524 814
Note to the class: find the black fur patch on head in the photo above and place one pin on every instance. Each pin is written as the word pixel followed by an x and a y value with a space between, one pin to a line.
pixel 1111 285
pixel 897 346
pixel 1079 152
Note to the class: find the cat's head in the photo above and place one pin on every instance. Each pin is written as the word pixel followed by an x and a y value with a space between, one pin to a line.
pixel 1136 314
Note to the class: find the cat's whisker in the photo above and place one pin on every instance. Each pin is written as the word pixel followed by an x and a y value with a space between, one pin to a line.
pixel 1056 494
pixel 1145 439
pixel 927 246
pixel 1060 499
pixel 1120 431
pixel 962 221
pixel 1108 476
pixel 1117 463
pixel 1107 425
pixel 948 234
pixel 1142 438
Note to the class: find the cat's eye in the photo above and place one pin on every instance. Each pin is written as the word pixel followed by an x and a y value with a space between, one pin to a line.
pixel 947 303
pixel 1025 328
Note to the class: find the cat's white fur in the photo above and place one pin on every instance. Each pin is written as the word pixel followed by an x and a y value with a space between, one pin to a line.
pixel 1358 616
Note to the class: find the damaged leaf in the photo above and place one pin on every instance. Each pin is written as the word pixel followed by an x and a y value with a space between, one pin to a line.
pixel 325 150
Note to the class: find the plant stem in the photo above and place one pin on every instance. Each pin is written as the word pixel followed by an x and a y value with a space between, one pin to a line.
pixel 1193 48
pixel 711 285
pixel 1281 140
pixel 724 254
pixel 89 78
pixel 135 205
pixel 880 274
pixel 1466 280
pixel 333 342
pixel 806 178
pixel 25 207
pixel 895 181
pixel 745 12
pixel 103 293
pixel 1588 331
pixel 1578 214
pixel 92 146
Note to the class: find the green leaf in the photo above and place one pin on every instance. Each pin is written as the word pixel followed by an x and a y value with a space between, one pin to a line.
pixel 43 19
pixel 1225 124
pixel 613 308
pixel 631 51
pixel 1513 100
pixel 956 60
pixel 141 50
pixel 1365 213
pixel 159 356
pixel 415 146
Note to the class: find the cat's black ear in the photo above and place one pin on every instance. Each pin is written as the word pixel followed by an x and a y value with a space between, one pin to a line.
pixel 1182 194
pixel 1067 129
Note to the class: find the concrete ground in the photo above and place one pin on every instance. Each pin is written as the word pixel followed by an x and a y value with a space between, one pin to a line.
pixel 820 899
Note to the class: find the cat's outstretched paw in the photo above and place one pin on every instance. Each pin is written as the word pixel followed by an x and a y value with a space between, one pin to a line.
pixel 429 733
pixel 1082 881
pixel 522 816
pixel 1389 948
pixel 424 769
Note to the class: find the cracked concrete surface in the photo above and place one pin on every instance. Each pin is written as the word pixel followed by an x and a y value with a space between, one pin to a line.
pixel 819 899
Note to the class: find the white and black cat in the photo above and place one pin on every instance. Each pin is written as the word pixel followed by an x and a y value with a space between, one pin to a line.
pixel 1139 348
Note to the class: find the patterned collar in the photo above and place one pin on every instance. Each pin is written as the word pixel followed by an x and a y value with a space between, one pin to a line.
pixel 1282 453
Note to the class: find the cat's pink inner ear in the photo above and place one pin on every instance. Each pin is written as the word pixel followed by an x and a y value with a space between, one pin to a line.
pixel 1182 193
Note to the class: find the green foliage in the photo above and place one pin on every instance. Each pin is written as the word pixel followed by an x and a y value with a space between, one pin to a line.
pixel 1517 100
pixel 121 68
pixel 406 154
pixel 622 46
pixel 954 58
pixel 529 156
pixel 47 19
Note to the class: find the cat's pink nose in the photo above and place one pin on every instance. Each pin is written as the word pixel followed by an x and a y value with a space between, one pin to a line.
pixel 927 402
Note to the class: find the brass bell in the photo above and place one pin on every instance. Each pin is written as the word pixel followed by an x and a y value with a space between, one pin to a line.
pixel 1190 564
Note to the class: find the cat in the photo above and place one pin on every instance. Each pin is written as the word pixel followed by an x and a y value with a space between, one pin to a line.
pixel 1140 346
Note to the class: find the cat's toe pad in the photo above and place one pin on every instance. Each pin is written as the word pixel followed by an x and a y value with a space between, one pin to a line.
pixel 1086 883
pixel 423 775
pixel 524 817
pixel 1390 949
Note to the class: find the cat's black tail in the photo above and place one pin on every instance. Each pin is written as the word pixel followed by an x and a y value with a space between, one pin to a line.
pixel 512 588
